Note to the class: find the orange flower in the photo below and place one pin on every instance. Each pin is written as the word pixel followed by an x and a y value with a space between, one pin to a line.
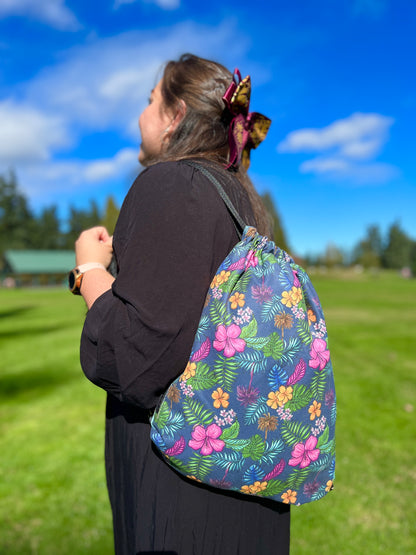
pixel 189 372
pixel 273 401
pixel 220 398
pixel 220 278
pixel 252 489
pixel 287 299
pixel 315 410
pixel 285 394
pixel 280 397
pixel 289 496
pixel 311 316
pixel 296 294
pixel 237 300
pixel 329 485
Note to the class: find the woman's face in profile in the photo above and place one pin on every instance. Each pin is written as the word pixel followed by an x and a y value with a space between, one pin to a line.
pixel 154 124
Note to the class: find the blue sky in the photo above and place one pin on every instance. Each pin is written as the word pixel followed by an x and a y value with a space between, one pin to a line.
pixel 336 77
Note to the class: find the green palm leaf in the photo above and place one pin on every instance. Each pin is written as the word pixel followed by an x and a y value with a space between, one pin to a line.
pixel 225 371
pixel 301 398
pixel 195 413
pixel 200 466
pixel 255 448
pixel 294 432
pixel 297 478
pixel 318 385
pixel 304 332
pixel 162 415
pixel 204 377
pixel 218 313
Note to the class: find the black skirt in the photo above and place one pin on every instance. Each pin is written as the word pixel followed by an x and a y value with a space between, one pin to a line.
pixel 156 510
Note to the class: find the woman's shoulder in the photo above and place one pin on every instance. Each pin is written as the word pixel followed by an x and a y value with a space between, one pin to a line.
pixel 177 181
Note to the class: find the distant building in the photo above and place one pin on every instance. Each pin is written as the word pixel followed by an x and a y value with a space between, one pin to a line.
pixel 36 267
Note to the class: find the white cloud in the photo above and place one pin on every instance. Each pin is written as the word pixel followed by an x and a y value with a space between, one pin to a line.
pixel 27 134
pixel 366 131
pixel 62 178
pixel 100 170
pixel 106 82
pixel 347 147
pixel 51 12
pixel 100 86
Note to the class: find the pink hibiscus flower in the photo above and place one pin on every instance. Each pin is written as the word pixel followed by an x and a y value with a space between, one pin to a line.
pixel 206 440
pixel 304 454
pixel 319 354
pixel 227 338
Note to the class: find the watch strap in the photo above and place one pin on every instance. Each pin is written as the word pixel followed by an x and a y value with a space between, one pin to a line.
pixel 89 266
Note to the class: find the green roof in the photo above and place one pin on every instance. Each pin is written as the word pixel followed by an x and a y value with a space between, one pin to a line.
pixel 39 261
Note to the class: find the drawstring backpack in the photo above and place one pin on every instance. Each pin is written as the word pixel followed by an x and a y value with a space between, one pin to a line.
pixel 254 410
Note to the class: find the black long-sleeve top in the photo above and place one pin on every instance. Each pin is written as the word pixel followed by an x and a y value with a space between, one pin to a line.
pixel 172 234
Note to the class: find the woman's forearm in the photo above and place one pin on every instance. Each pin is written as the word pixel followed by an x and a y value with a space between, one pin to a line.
pixel 94 283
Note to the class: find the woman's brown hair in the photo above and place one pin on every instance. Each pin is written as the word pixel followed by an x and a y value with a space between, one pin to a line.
pixel 203 131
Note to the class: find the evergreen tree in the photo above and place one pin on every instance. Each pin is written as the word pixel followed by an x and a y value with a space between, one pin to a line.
pixel 369 250
pixel 16 219
pixel 80 220
pixel 398 250
pixel 110 216
pixel 47 233
pixel 333 256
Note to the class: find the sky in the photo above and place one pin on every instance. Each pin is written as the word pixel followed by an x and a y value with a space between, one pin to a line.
pixel 336 77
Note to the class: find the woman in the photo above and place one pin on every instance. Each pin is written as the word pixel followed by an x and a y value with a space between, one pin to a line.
pixel 172 234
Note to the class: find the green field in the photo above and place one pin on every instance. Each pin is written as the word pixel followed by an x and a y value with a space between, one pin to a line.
pixel 53 498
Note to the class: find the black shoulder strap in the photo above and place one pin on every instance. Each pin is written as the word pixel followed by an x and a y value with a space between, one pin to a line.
pixel 235 215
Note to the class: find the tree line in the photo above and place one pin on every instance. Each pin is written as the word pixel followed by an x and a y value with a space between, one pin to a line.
pixel 20 228
pixel 394 250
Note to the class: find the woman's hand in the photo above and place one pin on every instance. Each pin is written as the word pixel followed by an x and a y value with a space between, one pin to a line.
pixel 94 245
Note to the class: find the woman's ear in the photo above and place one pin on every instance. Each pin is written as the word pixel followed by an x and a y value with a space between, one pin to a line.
pixel 178 116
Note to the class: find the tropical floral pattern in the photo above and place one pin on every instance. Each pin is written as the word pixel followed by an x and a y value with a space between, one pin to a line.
pixel 255 408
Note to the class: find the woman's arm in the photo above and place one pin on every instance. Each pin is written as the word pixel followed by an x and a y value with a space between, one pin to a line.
pixel 171 236
pixel 94 245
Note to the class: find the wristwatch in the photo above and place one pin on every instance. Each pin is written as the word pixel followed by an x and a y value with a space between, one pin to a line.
pixel 75 276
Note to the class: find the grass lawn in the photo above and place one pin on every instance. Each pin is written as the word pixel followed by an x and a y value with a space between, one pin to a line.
pixel 53 498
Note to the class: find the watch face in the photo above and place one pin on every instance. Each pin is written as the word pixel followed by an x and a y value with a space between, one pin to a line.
pixel 71 279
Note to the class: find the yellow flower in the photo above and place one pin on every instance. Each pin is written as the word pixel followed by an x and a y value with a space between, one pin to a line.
pixel 289 496
pixel 220 398
pixel 273 401
pixel 315 410
pixel 220 278
pixel 284 394
pixel 287 298
pixel 258 486
pixel 296 294
pixel 189 372
pixel 329 485
pixel 280 397
pixel 311 316
pixel 237 300
pixel 252 489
